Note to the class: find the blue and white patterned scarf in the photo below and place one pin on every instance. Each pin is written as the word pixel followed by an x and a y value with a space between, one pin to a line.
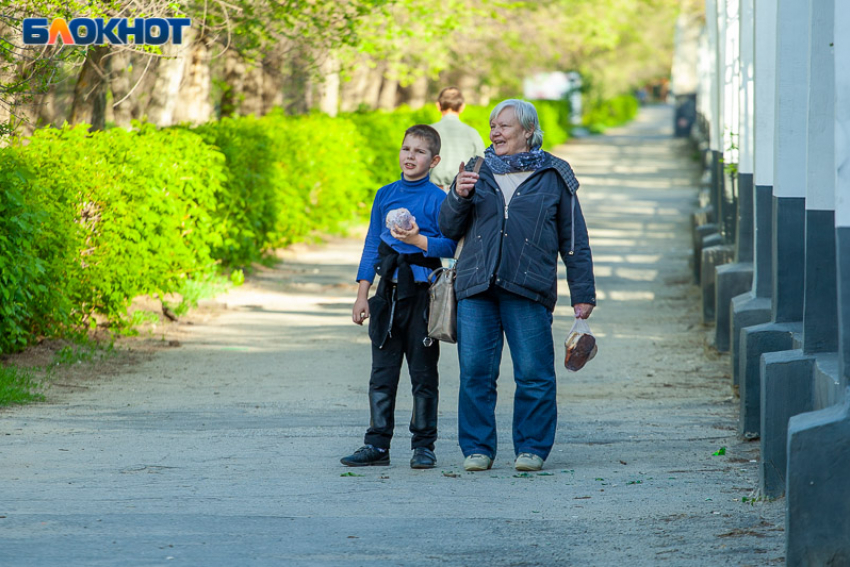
pixel 523 161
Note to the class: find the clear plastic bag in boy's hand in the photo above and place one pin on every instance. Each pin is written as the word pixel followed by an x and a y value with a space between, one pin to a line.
pixel 580 345
pixel 400 218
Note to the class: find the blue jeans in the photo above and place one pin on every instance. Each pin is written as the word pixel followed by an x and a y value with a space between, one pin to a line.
pixel 484 321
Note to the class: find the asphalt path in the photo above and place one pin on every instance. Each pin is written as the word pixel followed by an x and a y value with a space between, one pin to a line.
pixel 224 451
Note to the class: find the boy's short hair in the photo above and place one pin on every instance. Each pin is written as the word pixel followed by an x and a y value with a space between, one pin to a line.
pixel 427 133
pixel 450 99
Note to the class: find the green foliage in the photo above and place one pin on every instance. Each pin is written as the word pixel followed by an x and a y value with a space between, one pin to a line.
pixel 250 196
pixel 142 201
pixel 17 386
pixel 601 114
pixel 32 259
pixel 286 176
pixel 479 118
pixel 554 118
pixel 327 181
pixel 383 133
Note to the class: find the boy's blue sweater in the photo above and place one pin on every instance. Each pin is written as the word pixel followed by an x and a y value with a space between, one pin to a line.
pixel 423 199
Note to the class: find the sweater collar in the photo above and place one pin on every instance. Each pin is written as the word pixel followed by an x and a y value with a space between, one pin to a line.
pixel 414 185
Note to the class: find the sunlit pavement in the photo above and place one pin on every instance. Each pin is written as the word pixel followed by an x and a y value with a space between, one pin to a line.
pixel 225 451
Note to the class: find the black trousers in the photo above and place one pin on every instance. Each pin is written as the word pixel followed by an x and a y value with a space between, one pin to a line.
pixel 406 341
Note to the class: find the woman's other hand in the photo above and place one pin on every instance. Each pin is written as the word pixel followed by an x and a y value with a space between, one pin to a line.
pixel 465 181
pixel 582 310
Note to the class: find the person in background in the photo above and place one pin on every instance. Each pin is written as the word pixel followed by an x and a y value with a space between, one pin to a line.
pixel 460 142
pixel 516 216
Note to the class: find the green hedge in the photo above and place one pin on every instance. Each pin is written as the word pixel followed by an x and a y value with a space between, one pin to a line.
pixel 32 258
pixel 382 133
pixel 601 114
pixel 140 202
pixel 90 221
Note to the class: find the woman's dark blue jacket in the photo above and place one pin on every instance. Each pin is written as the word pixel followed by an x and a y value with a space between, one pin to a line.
pixel 516 246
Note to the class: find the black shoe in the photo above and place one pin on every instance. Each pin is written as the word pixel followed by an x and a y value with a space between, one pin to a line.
pixel 423 459
pixel 366 456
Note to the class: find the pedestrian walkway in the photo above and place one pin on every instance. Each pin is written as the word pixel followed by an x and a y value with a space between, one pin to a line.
pixel 225 451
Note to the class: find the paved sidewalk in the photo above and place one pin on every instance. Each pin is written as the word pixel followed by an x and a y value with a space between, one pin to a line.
pixel 225 451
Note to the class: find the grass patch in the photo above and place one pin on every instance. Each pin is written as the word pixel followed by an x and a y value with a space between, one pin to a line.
pixel 206 286
pixel 17 386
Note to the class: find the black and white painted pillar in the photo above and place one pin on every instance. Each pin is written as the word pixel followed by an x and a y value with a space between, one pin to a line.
pixel 753 308
pixel 705 231
pixel 817 516
pixel 764 118
pixel 736 278
pixel 820 315
pixel 719 249
pixel 712 22
pixel 746 132
pixel 730 77
pixel 791 378
pixel 842 183
pixel 788 214
pixel 789 167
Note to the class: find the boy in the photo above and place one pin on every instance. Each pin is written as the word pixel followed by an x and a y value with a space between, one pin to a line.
pixel 403 254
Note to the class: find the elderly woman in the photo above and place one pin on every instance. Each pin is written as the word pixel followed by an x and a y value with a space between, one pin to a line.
pixel 515 216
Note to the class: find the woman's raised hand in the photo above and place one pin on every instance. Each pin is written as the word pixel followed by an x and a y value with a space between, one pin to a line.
pixel 465 181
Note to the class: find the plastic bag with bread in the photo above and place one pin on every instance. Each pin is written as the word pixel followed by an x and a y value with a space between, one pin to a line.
pixel 580 346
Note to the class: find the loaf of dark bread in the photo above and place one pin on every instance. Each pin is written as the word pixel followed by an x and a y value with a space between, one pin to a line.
pixel 581 347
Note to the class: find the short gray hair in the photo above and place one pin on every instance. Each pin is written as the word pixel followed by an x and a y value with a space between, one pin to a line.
pixel 526 114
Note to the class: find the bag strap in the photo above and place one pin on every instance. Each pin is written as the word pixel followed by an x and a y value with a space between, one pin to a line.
pixel 475 169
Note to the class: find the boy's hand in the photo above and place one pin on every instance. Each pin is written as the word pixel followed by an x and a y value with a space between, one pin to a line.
pixel 465 182
pixel 411 236
pixel 360 311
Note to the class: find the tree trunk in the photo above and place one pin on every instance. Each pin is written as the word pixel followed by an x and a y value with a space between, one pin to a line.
pixel 352 91
pixel 329 87
pixel 252 92
pixel 373 85
pixel 272 81
pixel 90 92
pixel 194 104
pixel 298 88
pixel 121 83
pixel 169 74
pixel 234 77
pixel 415 95
pixel 389 91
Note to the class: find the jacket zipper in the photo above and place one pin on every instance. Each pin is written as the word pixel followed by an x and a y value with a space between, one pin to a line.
pixel 572 223
pixel 504 228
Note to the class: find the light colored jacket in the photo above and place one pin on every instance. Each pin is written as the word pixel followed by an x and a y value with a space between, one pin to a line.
pixel 459 142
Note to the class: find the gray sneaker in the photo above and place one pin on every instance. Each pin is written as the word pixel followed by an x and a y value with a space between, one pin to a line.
pixel 477 462
pixel 528 462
